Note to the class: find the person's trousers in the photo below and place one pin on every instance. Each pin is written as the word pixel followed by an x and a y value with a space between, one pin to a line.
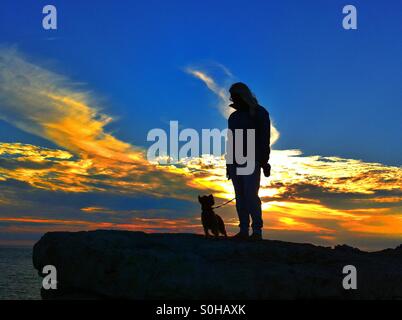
pixel 248 202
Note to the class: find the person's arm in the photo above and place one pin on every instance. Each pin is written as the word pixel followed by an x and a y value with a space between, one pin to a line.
pixel 230 125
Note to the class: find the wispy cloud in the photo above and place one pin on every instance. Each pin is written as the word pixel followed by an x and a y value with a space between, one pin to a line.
pixel 46 104
pixel 215 88
pixel 222 93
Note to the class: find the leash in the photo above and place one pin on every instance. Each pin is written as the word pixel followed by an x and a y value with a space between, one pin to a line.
pixel 224 204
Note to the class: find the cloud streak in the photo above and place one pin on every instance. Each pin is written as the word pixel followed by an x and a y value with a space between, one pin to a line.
pixel 222 93
pixel 46 104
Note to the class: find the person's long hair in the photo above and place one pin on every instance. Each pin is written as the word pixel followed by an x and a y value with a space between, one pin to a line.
pixel 242 90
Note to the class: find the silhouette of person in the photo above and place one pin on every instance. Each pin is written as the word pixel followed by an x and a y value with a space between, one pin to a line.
pixel 248 115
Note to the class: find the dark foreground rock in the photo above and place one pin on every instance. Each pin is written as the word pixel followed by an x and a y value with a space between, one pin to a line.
pixel 135 265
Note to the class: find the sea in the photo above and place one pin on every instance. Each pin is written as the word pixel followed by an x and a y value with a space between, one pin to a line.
pixel 18 278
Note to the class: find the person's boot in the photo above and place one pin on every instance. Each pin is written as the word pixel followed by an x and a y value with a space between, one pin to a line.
pixel 256 236
pixel 240 236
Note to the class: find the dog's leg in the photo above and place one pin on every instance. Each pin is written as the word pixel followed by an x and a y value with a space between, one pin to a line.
pixel 224 231
pixel 221 226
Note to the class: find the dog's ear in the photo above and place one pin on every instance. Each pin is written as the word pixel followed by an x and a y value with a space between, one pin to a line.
pixel 199 198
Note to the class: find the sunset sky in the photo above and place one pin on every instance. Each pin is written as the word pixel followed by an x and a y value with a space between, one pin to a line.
pixel 76 105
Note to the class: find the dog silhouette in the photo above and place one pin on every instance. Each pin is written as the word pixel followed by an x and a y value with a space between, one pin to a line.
pixel 210 220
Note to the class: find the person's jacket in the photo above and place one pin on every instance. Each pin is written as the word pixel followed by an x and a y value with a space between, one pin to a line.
pixel 242 119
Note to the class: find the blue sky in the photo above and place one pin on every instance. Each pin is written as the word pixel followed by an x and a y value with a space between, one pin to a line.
pixel 330 91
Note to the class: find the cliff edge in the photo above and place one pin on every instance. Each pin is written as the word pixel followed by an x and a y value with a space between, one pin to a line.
pixel 136 265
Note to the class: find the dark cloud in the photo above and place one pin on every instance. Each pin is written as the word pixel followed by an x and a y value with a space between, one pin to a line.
pixel 332 197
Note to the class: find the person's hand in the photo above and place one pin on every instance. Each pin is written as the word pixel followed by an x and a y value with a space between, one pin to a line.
pixel 266 168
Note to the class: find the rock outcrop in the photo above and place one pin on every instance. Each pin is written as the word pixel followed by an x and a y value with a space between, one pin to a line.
pixel 136 265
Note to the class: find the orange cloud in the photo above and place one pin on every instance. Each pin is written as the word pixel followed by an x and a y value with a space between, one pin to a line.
pixel 48 105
